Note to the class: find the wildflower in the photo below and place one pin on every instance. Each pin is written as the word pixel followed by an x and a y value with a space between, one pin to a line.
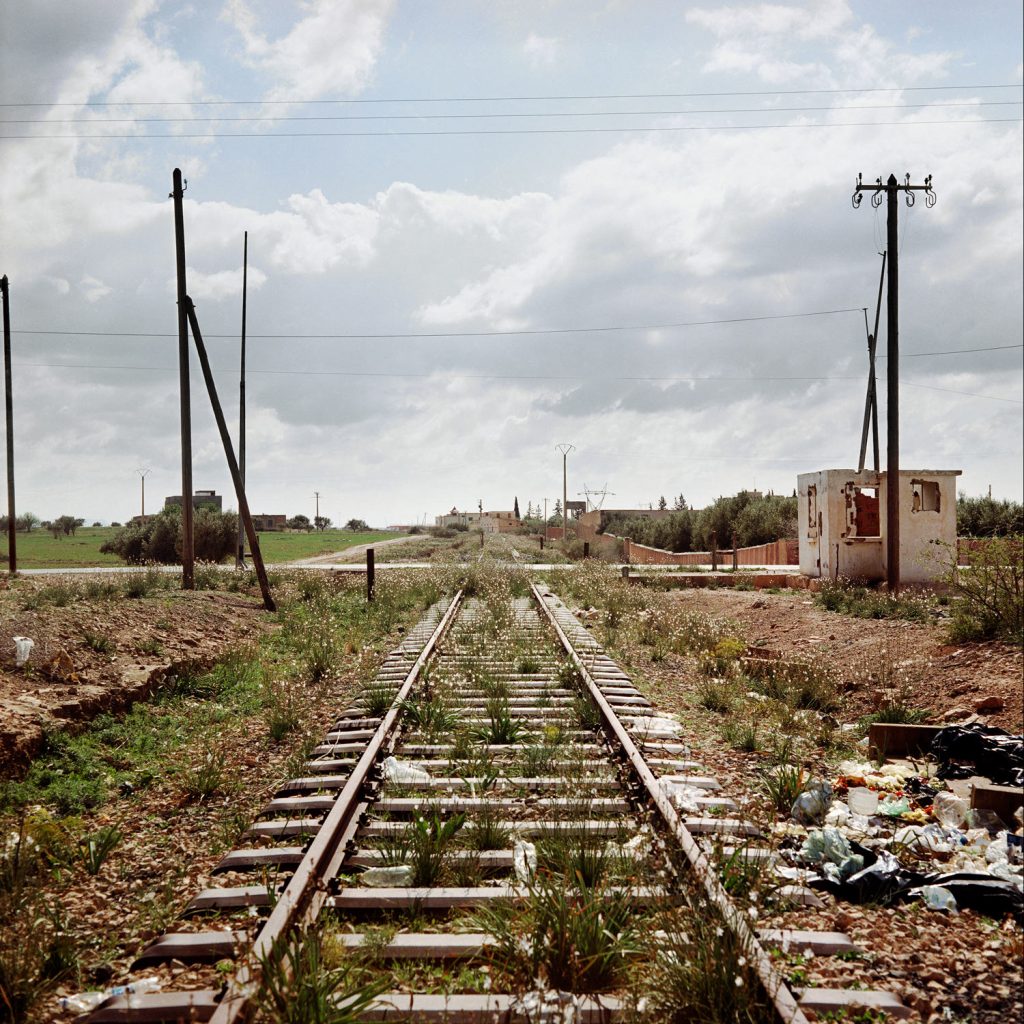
pixel 739 981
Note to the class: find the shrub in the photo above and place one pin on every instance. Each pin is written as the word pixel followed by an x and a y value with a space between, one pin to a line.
pixel 990 590
pixel 215 535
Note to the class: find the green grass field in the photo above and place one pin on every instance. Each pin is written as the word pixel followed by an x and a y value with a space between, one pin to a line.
pixel 40 550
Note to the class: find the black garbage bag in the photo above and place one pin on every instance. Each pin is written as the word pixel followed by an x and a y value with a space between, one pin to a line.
pixel 981 892
pixel 995 753
pixel 885 880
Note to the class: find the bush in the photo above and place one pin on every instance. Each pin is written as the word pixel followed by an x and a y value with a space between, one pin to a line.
pixel 985 517
pixel 215 535
pixel 991 591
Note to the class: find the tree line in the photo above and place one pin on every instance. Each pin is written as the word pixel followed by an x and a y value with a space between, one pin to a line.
pixel 754 520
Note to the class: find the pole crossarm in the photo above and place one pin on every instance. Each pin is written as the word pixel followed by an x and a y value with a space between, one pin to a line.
pixel 879 187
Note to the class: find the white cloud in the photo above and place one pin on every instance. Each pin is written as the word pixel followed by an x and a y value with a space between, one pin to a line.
pixel 221 284
pixel 542 51
pixel 767 40
pixel 93 289
pixel 331 51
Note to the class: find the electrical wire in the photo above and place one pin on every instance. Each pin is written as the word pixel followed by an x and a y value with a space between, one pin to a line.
pixel 970 105
pixel 178 136
pixel 463 334
pixel 507 99
pixel 515 377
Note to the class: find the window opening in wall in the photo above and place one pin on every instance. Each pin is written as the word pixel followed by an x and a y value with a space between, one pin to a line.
pixel 812 511
pixel 924 495
pixel 862 519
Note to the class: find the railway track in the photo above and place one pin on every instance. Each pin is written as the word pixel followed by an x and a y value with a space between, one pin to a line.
pixel 500 771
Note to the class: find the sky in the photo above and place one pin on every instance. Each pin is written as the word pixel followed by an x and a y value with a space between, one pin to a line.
pixel 478 230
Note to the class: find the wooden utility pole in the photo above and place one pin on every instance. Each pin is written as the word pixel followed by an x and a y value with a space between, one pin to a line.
pixel 892 188
pixel 188 581
pixel 240 557
pixel 225 436
pixel 12 542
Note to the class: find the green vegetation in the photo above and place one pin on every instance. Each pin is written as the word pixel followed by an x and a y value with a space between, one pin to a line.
pixel 984 517
pixel 301 984
pixel 990 591
pixel 843 596
pixel 753 520
pixel 40 550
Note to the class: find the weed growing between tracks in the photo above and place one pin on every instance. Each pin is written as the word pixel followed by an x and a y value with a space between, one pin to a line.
pixel 117 822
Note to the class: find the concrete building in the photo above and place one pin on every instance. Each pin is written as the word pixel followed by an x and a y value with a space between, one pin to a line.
pixel 269 523
pixel 209 499
pixel 842 519
pixel 498 522
pixel 456 518
pixel 489 522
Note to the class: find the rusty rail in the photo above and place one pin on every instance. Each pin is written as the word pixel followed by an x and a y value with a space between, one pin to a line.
pixel 785 1003
pixel 305 893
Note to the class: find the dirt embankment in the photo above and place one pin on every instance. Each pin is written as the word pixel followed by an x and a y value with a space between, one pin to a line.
pixel 952 681
pixel 103 654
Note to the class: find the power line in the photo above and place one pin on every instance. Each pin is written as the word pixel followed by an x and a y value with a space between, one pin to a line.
pixel 467 334
pixel 964 104
pixel 952 351
pixel 178 136
pixel 969 394
pixel 516 377
pixel 505 99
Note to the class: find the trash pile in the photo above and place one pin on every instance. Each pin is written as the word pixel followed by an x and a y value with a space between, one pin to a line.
pixel 887 834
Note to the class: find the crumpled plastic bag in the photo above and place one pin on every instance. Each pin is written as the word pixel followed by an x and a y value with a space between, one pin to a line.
pixel 637 848
pixel 831 849
pixel 811 806
pixel 937 897
pixel 894 808
pixel 402 771
pixel 950 809
pixel 524 860
pixel 655 727
pixel 393 876
pixel 22 649
pixel 934 838
pixel 683 797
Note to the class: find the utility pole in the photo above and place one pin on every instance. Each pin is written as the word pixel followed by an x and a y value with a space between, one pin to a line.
pixel 565 449
pixel 187 536
pixel 12 553
pixel 892 189
pixel 240 556
pixel 316 494
pixel 142 473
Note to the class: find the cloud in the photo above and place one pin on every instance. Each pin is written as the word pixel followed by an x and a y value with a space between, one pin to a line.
pixel 222 284
pixel 332 51
pixel 767 40
pixel 541 51
pixel 93 289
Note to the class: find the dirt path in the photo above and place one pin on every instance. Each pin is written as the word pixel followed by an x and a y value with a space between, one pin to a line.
pixel 353 554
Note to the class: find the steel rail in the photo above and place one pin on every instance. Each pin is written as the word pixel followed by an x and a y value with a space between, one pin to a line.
pixel 785 1004
pixel 306 891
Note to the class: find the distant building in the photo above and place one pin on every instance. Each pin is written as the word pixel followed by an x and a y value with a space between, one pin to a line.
pixel 269 523
pixel 456 518
pixel 200 499
pixel 489 522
